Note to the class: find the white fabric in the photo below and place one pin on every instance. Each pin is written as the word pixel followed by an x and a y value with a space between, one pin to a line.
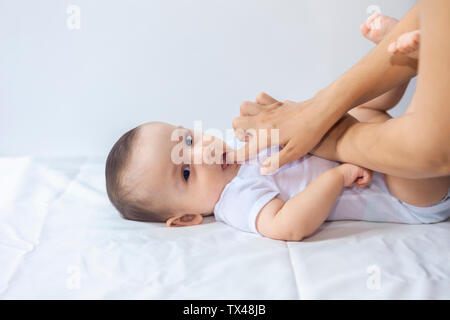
pixel 60 238
pixel 243 198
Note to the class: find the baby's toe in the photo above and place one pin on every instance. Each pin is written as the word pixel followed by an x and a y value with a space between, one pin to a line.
pixel 371 18
pixel 393 47
pixel 413 39
pixel 416 36
pixel 376 34
pixel 407 43
pixel 364 29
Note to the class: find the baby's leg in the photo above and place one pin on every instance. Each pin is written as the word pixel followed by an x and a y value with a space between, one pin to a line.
pixel 416 192
pixel 387 100
pixel 375 28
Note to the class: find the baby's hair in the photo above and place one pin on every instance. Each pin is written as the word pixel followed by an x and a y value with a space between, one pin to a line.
pixel 116 164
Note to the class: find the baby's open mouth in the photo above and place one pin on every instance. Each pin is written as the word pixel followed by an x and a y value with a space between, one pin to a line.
pixel 224 161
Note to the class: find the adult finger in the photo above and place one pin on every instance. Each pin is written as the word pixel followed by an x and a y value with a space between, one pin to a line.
pixel 249 150
pixel 244 127
pixel 265 99
pixel 286 155
pixel 270 107
pixel 242 124
pixel 250 108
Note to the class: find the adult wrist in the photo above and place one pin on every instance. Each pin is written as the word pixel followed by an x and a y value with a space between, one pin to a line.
pixel 333 101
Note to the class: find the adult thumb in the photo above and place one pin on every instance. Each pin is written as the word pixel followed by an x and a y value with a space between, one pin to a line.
pixel 276 161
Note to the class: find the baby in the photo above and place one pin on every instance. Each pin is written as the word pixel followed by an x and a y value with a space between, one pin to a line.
pixel 153 174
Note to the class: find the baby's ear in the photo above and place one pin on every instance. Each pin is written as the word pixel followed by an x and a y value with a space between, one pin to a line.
pixel 184 220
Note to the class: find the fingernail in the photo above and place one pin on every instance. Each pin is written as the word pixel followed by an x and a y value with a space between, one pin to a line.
pixel 265 171
pixel 266 163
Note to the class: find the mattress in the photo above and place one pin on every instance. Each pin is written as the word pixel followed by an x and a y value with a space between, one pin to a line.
pixel 60 238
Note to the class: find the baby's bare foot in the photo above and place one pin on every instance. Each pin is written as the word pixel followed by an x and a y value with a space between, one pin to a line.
pixel 407 43
pixel 377 26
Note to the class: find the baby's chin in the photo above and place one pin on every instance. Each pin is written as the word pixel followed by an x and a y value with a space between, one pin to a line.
pixel 229 172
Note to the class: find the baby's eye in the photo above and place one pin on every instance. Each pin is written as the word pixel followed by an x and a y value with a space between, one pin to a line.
pixel 189 140
pixel 186 172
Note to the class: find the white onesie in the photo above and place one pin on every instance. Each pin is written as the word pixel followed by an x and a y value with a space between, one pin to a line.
pixel 244 196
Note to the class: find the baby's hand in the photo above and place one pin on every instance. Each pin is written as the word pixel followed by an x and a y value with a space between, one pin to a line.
pixel 352 174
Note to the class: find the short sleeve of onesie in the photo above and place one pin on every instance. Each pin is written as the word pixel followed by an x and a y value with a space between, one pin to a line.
pixel 243 198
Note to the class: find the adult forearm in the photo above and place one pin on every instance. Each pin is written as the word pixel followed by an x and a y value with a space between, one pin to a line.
pixel 396 147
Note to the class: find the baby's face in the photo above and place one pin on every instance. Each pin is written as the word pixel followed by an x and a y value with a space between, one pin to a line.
pixel 176 167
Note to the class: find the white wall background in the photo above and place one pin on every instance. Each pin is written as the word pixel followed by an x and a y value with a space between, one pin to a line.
pixel 74 92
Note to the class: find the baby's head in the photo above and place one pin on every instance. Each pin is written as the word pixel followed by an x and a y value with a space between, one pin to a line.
pixel 157 172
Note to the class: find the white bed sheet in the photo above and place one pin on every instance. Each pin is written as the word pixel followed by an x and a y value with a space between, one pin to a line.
pixel 61 239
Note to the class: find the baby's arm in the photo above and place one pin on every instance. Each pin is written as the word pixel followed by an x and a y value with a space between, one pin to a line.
pixel 303 214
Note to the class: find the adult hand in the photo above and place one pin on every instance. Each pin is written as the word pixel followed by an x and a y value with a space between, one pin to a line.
pixel 300 125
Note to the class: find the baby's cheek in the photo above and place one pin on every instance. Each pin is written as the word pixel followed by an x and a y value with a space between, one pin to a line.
pixel 209 184
pixel 211 191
